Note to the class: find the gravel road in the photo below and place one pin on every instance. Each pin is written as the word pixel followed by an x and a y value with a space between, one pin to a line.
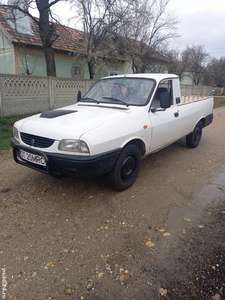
pixel 77 239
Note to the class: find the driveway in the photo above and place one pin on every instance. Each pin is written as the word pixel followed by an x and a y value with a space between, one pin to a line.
pixel 77 239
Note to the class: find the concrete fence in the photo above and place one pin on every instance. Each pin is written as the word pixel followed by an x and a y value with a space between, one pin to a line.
pixel 27 94
pixel 195 90
pixel 218 91
pixel 20 94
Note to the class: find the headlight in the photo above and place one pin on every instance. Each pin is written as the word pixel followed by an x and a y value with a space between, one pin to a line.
pixel 15 132
pixel 73 146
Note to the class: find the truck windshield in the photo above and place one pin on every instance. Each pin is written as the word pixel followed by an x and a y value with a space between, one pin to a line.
pixel 124 91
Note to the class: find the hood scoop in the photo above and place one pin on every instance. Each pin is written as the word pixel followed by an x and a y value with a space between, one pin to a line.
pixel 50 114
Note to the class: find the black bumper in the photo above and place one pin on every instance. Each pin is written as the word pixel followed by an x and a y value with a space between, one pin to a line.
pixel 68 165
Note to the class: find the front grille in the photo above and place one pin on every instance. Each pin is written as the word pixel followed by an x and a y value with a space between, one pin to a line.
pixel 36 141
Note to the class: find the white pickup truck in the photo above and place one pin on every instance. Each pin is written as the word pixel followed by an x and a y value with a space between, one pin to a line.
pixel 120 120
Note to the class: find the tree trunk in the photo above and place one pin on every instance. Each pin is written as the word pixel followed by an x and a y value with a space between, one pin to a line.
pixel 47 36
pixel 143 68
pixel 135 67
pixel 50 62
pixel 91 68
pixel 48 53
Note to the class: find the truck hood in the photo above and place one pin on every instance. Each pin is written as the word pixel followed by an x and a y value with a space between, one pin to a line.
pixel 71 121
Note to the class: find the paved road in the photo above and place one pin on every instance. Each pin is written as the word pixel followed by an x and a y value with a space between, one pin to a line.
pixel 77 239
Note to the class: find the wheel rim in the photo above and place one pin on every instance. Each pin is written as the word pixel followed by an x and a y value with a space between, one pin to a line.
pixel 128 168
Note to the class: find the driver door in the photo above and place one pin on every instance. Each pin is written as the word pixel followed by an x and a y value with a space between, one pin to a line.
pixel 164 127
pixel 165 123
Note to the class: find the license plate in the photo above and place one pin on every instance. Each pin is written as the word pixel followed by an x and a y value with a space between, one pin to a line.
pixel 33 158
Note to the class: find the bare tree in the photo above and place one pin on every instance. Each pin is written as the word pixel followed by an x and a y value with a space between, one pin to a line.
pixel 46 28
pixel 101 20
pixel 216 69
pixel 176 64
pixel 196 58
pixel 147 29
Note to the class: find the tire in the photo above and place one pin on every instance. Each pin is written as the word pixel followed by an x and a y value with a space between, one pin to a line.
pixel 193 139
pixel 126 168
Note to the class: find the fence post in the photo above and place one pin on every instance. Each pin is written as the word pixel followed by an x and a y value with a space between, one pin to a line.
pixel 1 106
pixel 51 92
pixel 86 86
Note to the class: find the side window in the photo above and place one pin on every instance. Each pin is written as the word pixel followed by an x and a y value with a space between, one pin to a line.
pixel 164 86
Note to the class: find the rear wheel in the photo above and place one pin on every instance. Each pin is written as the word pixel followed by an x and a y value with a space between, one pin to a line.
pixel 193 139
pixel 126 168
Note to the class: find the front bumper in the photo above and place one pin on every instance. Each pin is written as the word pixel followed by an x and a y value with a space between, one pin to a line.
pixel 68 165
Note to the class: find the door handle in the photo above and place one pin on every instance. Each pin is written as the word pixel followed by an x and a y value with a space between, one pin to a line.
pixel 176 114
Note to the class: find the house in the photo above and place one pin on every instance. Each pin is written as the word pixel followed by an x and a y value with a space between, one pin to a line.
pixel 21 51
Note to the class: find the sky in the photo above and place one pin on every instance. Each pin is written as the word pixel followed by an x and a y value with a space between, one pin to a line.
pixel 202 22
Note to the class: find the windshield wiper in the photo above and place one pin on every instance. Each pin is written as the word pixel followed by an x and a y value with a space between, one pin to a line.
pixel 89 100
pixel 117 100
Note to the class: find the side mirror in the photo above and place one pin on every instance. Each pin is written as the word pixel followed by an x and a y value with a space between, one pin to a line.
pixel 165 101
pixel 78 96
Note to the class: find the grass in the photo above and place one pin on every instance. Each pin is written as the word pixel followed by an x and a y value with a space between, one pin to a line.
pixel 219 101
pixel 6 124
pixel 6 130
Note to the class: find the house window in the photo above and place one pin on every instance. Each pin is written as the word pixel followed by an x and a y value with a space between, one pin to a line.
pixel 77 71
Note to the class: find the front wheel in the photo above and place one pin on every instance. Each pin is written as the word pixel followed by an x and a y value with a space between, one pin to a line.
pixel 193 139
pixel 126 168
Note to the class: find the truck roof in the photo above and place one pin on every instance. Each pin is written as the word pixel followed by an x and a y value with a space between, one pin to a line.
pixel 156 76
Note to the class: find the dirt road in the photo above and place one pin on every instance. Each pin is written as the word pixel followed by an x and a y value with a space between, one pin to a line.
pixel 76 239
